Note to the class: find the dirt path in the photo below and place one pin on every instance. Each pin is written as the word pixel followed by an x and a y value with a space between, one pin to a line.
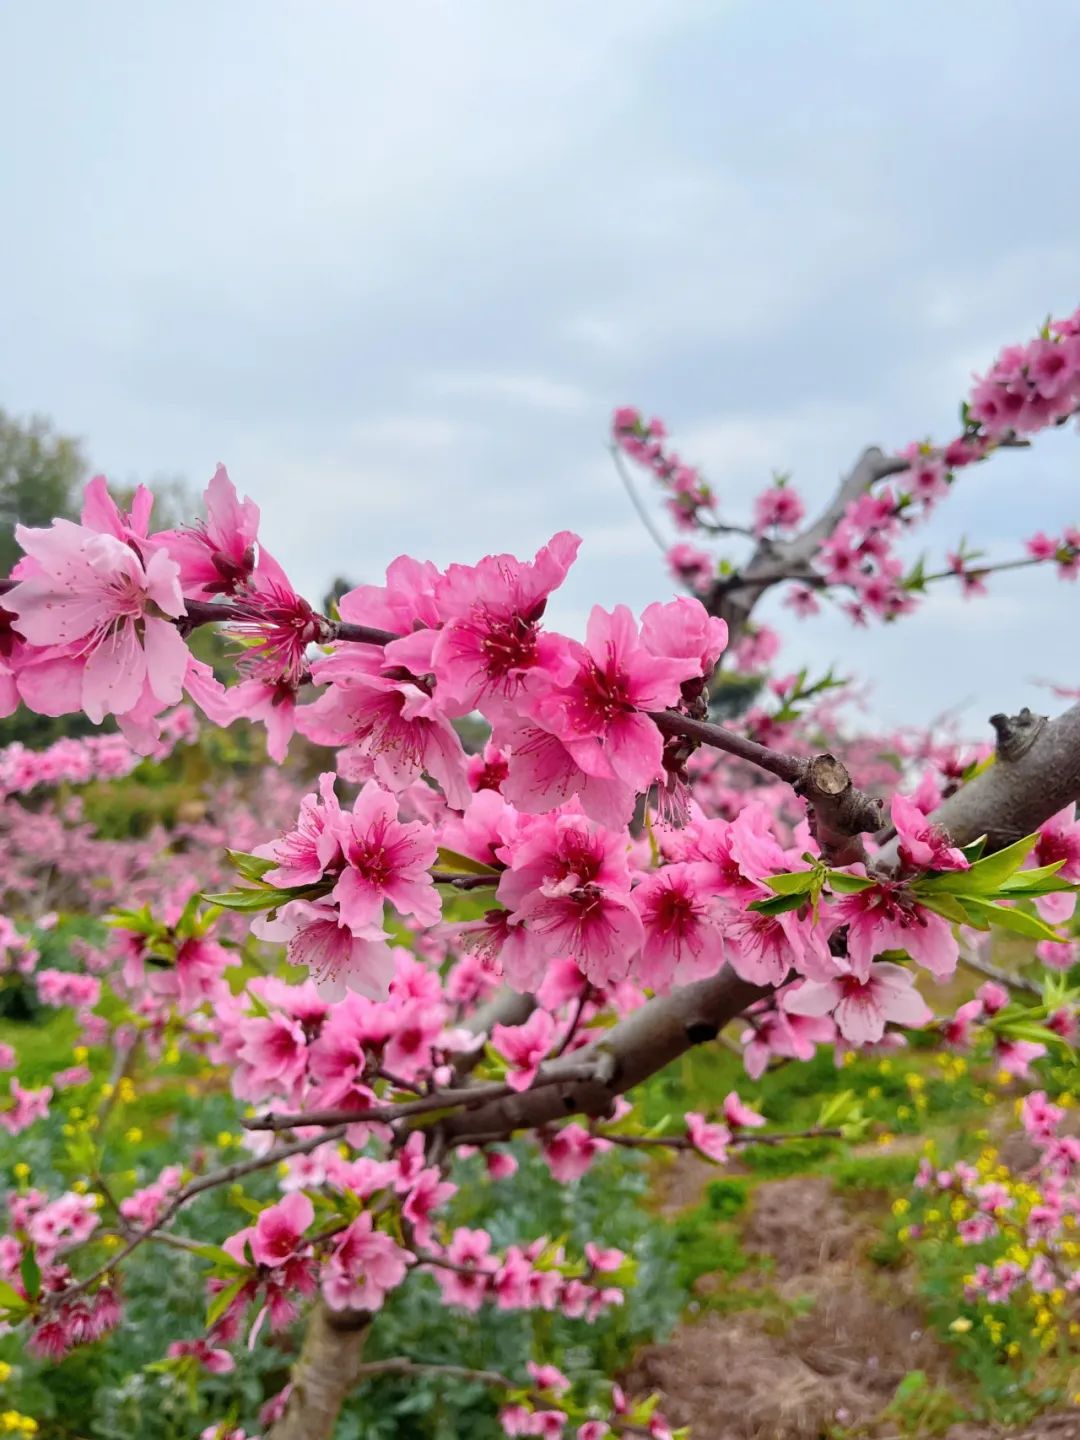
pixel 823 1342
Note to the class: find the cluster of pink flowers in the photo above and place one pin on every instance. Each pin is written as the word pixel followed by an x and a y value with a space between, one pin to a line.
pixel 601 859
pixel 1028 388
pixel 1037 1206
pixel 691 502
pixel 96 757
pixel 541 1414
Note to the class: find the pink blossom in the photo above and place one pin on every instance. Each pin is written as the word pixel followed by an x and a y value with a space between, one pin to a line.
pixel 393 723
pixel 28 1106
pixel 596 710
pixel 801 599
pixel 976 1229
pixel 548 1377
pixel 1015 1057
pixel 364 1266
pixel 428 1193
pixel 467 1285
pixel 957 1030
pixel 492 634
pixel 303 855
pixel 603 1260
pixel 280 1228
pixel 213 1359
pixel 278 627
pixel 786 1036
pixel 570 1151
pixel 1041 547
pixel 710 1139
pixel 524 1047
pixel 923 845
pixel 542 773
pixel 762 948
pixel 385 860
pixel 862 1007
pixel 100 610
pixel 683 938
pixel 217 555
pixel 337 959
pixel 691 566
pixel 778 506
pixel 886 916
pixel 739 1115
pixel 568 884
pixel 684 630
pixel 992 996
pixel 515 1420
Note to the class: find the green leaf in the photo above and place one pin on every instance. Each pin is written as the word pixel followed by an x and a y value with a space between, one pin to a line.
pixel 10 1299
pixel 949 906
pixel 986 876
pixel 974 850
pixel 838 1108
pixel 800 882
pixel 1017 922
pixel 843 884
pixel 456 864
pixel 993 870
pixel 251 867
pixel 1043 880
pixel 1027 1030
pixel 31 1273
pixel 221 1259
pixel 779 905
pixel 223 1299
pixel 249 900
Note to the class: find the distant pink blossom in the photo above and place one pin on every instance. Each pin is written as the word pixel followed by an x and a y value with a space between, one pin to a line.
pixel 709 1138
pixel 739 1115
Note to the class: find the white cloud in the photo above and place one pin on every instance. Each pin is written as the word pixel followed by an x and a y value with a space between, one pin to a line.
pixel 536 392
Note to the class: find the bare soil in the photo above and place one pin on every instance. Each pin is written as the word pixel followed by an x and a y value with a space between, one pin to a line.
pixel 827 1344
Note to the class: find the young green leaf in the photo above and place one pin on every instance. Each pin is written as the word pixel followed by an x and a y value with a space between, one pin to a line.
pixel 455 864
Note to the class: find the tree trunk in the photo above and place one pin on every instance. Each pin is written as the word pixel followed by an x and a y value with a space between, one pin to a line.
pixel 324 1374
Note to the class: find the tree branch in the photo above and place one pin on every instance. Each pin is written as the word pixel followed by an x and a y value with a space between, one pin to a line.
pixel 1036 773
pixel 839 811
pixel 464 1096
pixel 636 1048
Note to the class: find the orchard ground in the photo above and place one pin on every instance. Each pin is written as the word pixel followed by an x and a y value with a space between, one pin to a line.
pixel 778 1296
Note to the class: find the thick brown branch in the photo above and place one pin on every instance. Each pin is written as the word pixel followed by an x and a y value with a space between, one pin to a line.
pixel 466 1096
pixel 733 599
pixel 1036 774
pixel 636 1048
pixel 327 1369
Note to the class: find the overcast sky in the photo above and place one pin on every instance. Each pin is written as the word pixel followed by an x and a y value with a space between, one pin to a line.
pixel 394 264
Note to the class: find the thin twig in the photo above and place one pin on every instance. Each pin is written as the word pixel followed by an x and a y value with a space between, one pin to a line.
pixel 224 1176
pixel 462 1098
pixel 635 500
pixel 1000 977
pixel 684 1142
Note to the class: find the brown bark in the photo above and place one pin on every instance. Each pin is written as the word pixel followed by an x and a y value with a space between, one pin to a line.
pixel 328 1368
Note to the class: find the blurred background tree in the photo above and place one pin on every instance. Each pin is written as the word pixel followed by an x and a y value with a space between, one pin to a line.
pixel 41 476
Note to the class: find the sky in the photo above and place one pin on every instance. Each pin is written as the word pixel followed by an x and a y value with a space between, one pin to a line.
pixel 395 264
